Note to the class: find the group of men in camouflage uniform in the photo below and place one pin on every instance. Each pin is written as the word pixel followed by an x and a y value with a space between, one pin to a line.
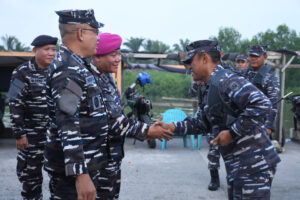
pixel 77 103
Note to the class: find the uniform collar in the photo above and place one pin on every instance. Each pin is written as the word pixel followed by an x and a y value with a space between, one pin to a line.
pixel 105 77
pixel 251 70
pixel 95 69
pixel 33 66
pixel 217 68
pixel 79 59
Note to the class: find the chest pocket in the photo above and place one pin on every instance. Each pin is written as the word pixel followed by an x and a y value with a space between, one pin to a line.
pixel 95 99
pixel 113 102
pixel 37 87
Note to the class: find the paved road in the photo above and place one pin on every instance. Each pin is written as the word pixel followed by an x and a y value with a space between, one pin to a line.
pixel 174 174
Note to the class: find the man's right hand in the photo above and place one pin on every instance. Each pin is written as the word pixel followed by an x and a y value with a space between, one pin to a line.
pixel 85 187
pixel 169 126
pixel 158 132
pixel 22 143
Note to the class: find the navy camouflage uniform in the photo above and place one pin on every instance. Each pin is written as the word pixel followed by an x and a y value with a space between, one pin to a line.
pixel 119 127
pixel 251 159
pixel 77 141
pixel 270 88
pixel 78 124
pixel 29 115
pixel 213 154
pixel 77 137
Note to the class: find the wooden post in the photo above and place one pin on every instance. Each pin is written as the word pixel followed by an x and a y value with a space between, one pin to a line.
pixel 119 77
pixel 282 102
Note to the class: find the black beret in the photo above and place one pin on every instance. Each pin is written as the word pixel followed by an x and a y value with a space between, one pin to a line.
pixel 78 17
pixel 42 40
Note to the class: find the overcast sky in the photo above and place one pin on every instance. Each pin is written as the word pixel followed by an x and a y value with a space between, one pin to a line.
pixel 164 20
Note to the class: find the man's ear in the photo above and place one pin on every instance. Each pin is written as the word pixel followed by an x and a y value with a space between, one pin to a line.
pixel 221 54
pixel 34 49
pixel 79 35
pixel 265 56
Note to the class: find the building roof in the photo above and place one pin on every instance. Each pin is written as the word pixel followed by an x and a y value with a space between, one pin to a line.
pixel 13 59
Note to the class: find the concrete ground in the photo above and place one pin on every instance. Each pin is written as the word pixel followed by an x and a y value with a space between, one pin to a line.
pixel 174 174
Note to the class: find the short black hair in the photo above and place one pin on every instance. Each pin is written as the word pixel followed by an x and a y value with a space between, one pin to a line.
pixel 214 55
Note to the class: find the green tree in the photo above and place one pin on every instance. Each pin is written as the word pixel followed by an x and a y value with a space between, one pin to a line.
pixel 155 46
pixel 282 38
pixel 11 43
pixel 229 39
pixel 134 44
pixel 181 46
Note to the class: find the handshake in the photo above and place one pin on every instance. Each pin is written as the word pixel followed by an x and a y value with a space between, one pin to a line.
pixel 161 130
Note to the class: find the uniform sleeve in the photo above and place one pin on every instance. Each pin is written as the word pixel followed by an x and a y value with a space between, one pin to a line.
pixel 250 100
pixel 17 93
pixel 66 91
pixel 122 125
pixel 191 126
pixel 272 90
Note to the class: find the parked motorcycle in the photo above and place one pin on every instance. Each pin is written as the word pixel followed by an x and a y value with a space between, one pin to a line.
pixel 140 106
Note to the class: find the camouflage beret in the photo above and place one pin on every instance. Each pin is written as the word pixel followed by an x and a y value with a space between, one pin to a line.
pixel 78 17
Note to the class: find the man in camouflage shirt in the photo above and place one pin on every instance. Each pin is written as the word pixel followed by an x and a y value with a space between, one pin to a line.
pixel 234 111
pixel 264 79
pixel 29 115
pixel 76 148
pixel 105 62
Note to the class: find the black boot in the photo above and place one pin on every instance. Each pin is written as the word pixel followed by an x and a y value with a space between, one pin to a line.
pixel 215 181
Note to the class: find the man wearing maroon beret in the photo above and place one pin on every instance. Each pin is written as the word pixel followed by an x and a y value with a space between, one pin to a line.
pixel 105 62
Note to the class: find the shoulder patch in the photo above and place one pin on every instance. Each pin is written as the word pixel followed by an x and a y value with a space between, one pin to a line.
pixel 69 98
pixel 16 86
pixel 234 86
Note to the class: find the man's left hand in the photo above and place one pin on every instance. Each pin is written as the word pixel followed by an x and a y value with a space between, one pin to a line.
pixel 223 139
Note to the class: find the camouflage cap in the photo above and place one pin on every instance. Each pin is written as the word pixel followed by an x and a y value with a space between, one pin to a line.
pixel 200 45
pixel 257 50
pixel 78 17
pixel 242 57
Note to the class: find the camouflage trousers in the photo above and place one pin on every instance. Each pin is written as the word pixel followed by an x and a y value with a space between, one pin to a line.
pixel 110 181
pixel 213 155
pixel 107 183
pixel 254 186
pixel 29 172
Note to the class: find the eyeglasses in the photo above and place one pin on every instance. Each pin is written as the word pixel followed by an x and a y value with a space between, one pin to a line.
pixel 96 31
